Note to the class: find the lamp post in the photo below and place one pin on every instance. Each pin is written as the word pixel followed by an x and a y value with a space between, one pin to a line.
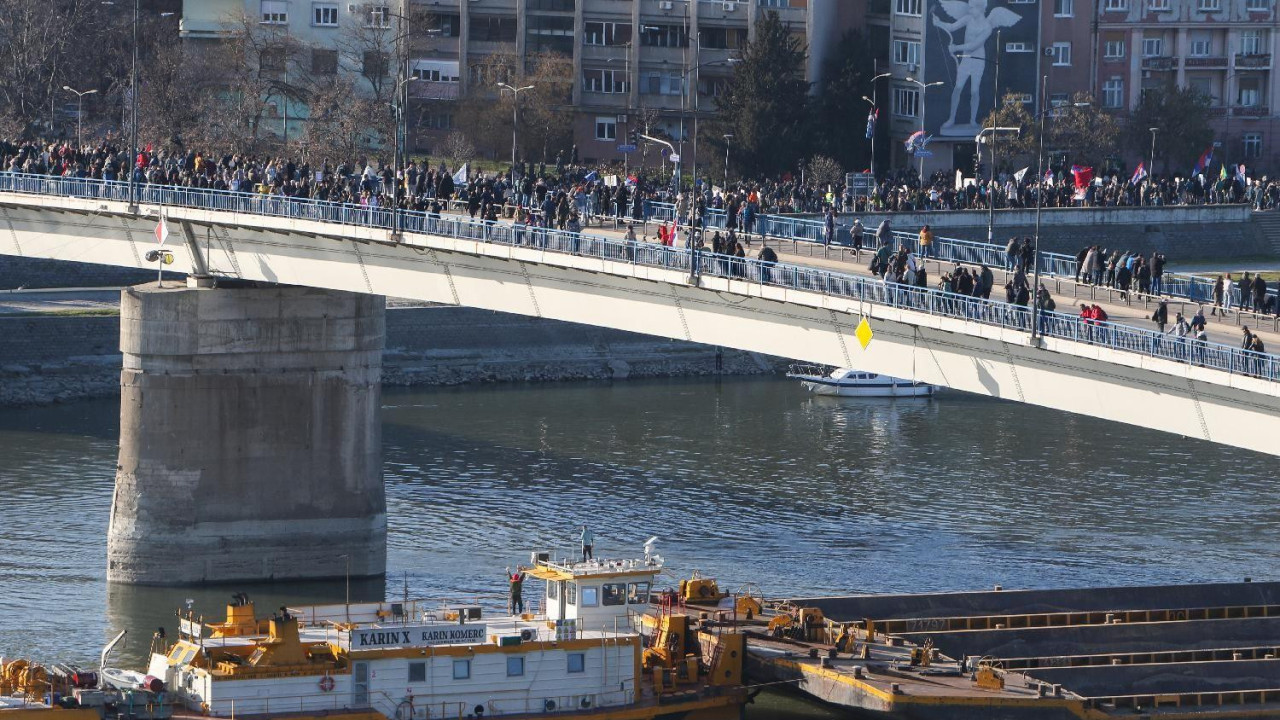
pixel 133 102
pixel 727 138
pixel 1035 282
pixel 924 87
pixel 684 80
pixel 515 119
pixel 79 110
pixel 1153 131
pixel 875 109
pixel 991 183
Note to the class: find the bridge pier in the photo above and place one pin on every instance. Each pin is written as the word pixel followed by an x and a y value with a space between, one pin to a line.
pixel 250 436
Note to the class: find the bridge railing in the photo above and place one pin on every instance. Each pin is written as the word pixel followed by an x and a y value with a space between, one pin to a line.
pixel 759 272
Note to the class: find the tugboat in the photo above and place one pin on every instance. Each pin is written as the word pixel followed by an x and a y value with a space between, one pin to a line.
pixel 584 654
pixel 844 382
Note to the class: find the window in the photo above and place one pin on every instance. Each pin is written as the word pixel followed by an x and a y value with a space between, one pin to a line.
pixel 656 83
pixel 638 593
pixel 1251 42
pixel 417 672
pixel 1158 5
pixel 720 38
pixel 324 62
pixel 461 669
pixel 493 28
pixel 775 3
pixel 604 81
pixel 375 64
pixel 1201 43
pixel 1064 8
pixel 379 16
pixel 907 7
pixel 606 33
pixel 1061 54
pixel 713 87
pixel 1116 6
pixel 664 36
pixel 1152 47
pixel 436 121
pixel 1114 50
pixel 1253 145
pixel 554 5
pixel 275 12
pixel 1257 5
pixel 906 102
pixel 613 594
pixel 1202 86
pixel 1210 5
pixel 571 588
pixel 435 70
pixel 442 24
pixel 1250 94
pixel 1113 93
pixel 324 14
pixel 515 667
pixel 906 52
pixel 553 590
pixel 591 595
pixel 577 662
pixel 1018 47
pixel 272 60
pixel 549 33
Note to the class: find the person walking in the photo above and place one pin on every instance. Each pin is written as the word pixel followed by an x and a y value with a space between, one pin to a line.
pixel 1217 298
pixel 1161 316
pixel 1228 294
pixel 857 232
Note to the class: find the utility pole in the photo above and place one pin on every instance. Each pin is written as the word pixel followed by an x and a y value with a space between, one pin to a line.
pixel 875 109
pixel 133 113
pixel 1035 282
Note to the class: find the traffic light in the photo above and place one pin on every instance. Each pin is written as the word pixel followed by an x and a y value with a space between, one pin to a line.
pixel 634 136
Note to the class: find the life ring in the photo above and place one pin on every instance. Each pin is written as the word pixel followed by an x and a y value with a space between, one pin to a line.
pixel 326 683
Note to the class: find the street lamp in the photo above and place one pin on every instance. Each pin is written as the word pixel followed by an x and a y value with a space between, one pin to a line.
pixel 1153 152
pixel 923 88
pixel 515 118
pixel 684 80
pixel 1035 282
pixel 727 138
pixel 991 205
pixel 876 109
pixel 79 110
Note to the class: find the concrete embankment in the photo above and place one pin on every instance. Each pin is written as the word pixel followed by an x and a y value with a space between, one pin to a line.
pixel 58 358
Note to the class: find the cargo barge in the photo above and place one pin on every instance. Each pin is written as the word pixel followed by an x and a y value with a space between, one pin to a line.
pixel 1181 651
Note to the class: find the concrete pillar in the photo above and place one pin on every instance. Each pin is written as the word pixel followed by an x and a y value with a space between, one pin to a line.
pixel 250 436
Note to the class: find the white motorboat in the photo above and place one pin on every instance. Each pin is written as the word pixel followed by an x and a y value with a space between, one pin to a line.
pixel 844 382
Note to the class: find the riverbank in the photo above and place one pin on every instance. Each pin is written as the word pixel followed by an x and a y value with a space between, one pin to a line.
pixel 56 357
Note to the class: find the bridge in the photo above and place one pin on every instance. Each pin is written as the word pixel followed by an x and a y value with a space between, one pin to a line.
pixel 204 367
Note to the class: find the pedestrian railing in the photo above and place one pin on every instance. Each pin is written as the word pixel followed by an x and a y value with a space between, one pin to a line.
pixel 761 273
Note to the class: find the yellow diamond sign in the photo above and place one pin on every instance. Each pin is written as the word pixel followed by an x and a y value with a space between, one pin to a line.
pixel 863 333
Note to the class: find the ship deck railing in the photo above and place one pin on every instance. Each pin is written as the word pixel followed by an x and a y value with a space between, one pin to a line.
pixel 898 626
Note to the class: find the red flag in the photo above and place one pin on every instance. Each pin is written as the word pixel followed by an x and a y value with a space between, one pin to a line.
pixel 1083 175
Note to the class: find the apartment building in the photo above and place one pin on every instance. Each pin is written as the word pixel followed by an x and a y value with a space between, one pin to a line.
pixel 1222 48
pixel 665 61
pixel 951 59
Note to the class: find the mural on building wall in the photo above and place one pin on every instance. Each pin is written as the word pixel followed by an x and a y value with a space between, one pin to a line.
pixel 961 52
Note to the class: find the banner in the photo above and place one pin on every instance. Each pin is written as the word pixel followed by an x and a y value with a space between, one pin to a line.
pixel 418 636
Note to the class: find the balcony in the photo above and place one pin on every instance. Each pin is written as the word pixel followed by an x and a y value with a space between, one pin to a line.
pixel 1204 62
pixel 1253 61
pixel 1159 63
pixel 1256 111
pixel 427 90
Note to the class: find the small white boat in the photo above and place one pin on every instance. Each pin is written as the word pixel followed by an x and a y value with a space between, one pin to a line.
pixel 844 382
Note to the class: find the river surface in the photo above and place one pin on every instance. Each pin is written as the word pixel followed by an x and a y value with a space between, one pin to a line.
pixel 746 480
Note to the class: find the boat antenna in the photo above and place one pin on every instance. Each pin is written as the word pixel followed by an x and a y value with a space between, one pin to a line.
pixel 102 660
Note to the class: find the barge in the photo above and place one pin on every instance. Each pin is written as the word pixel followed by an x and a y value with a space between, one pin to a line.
pixel 1183 651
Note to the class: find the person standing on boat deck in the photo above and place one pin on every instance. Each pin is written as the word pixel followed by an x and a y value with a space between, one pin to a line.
pixel 516 605
pixel 588 539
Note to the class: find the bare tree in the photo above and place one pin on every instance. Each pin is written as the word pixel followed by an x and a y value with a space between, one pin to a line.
pixel 824 170
pixel 458 148
pixel 368 48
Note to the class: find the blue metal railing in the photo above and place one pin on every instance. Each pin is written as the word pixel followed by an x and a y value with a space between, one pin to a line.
pixel 761 273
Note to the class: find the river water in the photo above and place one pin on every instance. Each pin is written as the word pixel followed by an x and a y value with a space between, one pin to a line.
pixel 747 480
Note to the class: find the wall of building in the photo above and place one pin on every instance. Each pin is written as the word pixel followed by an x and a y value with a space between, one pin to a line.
pixel 58 359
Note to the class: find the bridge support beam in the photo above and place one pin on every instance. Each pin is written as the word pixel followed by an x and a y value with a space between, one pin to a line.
pixel 250 436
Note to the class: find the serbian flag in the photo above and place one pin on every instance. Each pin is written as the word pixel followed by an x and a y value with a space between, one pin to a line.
pixel 1083 175
pixel 1048 177
pixel 1206 158
pixel 1138 174
pixel 915 140
pixel 871 122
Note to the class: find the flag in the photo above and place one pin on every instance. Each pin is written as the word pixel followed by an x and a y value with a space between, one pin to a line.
pixel 915 141
pixel 460 177
pixel 1082 175
pixel 1139 174
pixel 162 230
pixel 1017 177
pixel 591 176
pixel 871 122
pixel 1048 177
pixel 1206 158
